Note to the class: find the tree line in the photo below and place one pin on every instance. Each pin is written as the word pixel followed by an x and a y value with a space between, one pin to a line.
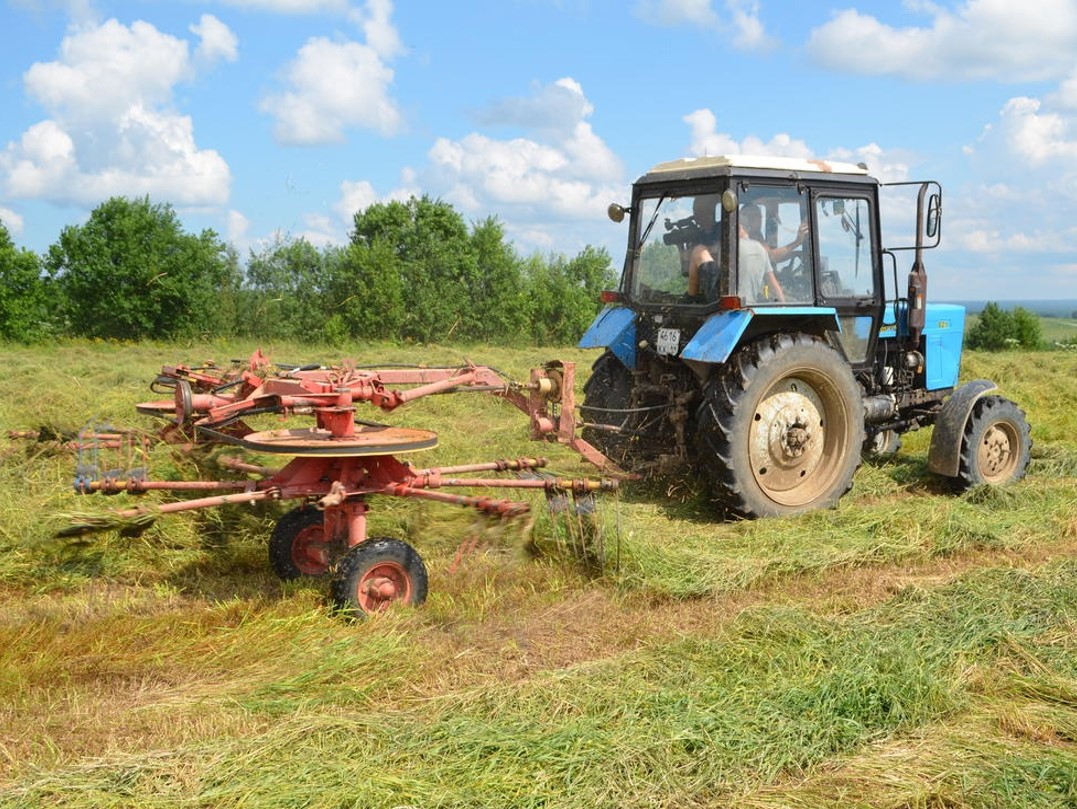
pixel 411 271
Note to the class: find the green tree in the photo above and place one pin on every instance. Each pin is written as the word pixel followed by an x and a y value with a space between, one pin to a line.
pixel 564 294
pixel 434 259
pixel 997 329
pixel 24 311
pixel 499 301
pixel 131 272
pixel 364 296
pixel 1027 329
pixel 991 330
pixel 287 279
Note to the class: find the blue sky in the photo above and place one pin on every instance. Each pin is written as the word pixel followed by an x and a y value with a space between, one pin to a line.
pixel 265 117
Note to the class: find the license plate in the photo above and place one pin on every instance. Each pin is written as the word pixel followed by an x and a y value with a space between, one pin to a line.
pixel 669 341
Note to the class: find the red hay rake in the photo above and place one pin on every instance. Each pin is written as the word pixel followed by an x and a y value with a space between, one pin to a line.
pixel 340 462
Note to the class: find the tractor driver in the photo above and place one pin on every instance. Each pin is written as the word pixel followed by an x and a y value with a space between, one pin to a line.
pixel 757 280
pixel 752 220
pixel 755 269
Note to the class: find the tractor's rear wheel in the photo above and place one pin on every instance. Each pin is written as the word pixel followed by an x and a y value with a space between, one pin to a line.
pixel 781 427
pixel 607 395
pixel 378 573
pixel 996 444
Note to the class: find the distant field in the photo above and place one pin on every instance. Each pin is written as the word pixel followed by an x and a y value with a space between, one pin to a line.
pixel 912 647
pixel 1054 328
pixel 1058 328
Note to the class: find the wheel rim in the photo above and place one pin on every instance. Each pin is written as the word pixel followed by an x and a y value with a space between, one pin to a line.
pixel 798 438
pixel 311 554
pixel 996 456
pixel 382 585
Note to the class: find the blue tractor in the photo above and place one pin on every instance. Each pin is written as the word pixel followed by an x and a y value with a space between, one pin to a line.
pixel 759 336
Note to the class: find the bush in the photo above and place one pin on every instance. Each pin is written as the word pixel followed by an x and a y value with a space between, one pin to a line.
pixel 997 330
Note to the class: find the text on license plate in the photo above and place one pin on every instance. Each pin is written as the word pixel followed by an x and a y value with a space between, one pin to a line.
pixel 669 341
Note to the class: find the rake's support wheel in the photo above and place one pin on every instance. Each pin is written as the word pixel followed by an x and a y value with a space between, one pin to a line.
pixel 299 545
pixel 376 574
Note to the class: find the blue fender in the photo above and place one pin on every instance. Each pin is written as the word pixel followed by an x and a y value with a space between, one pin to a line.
pixel 720 335
pixel 615 329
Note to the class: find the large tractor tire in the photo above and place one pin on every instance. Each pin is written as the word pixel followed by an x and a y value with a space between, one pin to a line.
pixel 606 398
pixel 996 444
pixel 781 427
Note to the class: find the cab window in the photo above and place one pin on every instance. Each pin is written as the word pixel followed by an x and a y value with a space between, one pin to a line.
pixel 774 255
pixel 844 237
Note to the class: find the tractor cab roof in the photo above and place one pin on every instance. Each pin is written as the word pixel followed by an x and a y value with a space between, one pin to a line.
pixel 688 168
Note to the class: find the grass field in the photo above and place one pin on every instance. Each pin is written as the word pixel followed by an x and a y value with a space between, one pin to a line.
pixel 912 647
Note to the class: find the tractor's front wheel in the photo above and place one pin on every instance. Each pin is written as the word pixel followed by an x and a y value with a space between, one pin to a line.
pixel 996 444
pixel 378 573
pixel 781 427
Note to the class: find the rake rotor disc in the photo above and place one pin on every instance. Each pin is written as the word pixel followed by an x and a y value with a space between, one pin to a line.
pixel 367 440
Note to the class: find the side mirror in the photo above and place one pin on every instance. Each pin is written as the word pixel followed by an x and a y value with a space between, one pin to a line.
pixel 616 212
pixel 934 217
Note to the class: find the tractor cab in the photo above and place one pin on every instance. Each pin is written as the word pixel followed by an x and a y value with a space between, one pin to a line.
pixel 782 239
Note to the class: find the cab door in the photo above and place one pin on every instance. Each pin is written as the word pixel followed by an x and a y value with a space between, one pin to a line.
pixel 846 260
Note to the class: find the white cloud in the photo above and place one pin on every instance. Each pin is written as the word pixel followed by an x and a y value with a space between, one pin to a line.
pixel 748 31
pixel 560 169
pixel 1030 153
pixel 558 176
pixel 741 21
pixel 678 12
pixel 236 227
pixel 319 230
pixel 707 141
pixel 79 11
pixel 333 86
pixel 375 19
pixel 354 197
pixel 105 70
pixel 111 129
pixel 217 40
pixel 996 39
pixel 1035 135
pixel 12 221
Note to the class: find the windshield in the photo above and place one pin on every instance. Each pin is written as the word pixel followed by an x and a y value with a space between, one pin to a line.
pixel 678 258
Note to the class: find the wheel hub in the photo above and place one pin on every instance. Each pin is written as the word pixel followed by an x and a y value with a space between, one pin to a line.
pixel 786 438
pixel 381 586
pixel 996 455
pixel 311 551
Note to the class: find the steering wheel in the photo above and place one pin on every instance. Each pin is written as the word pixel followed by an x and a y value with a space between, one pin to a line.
pixel 795 277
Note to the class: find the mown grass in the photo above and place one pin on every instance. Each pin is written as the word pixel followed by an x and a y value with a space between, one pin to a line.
pixel 777 693
pixel 912 647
